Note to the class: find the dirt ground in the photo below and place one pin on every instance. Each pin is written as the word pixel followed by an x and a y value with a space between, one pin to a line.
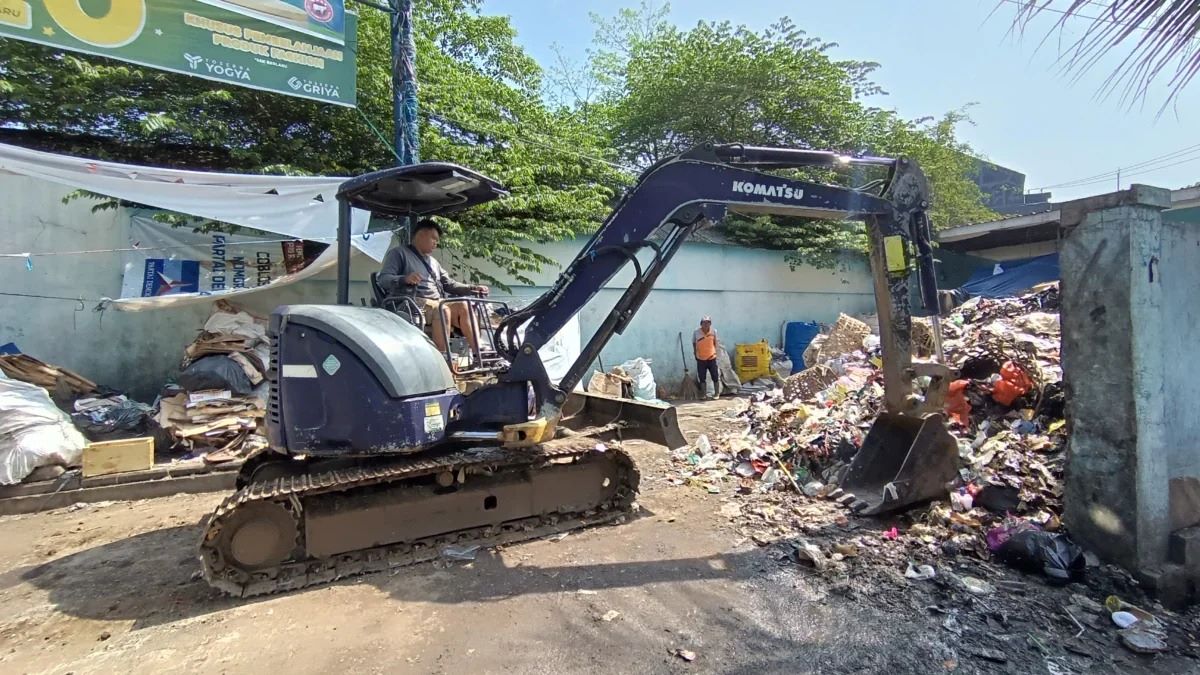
pixel 115 588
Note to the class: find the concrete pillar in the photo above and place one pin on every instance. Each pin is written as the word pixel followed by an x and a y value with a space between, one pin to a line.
pixel 1131 298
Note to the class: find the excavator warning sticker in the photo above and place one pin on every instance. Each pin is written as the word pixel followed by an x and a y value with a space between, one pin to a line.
pixel 331 364
pixel 434 423
pixel 433 408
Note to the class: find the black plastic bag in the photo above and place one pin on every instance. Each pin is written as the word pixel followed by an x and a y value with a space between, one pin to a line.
pixel 1051 554
pixel 216 372
pixel 998 498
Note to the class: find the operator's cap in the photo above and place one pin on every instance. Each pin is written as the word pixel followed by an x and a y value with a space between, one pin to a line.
pixel 706 318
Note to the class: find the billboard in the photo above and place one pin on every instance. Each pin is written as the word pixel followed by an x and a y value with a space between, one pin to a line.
pixel 302 48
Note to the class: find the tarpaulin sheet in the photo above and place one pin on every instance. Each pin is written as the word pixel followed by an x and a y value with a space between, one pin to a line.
pixel 1009 278
pixel 294 206
pixel 165 260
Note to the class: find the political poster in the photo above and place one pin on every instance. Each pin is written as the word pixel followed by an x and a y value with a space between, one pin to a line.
pixel 165 260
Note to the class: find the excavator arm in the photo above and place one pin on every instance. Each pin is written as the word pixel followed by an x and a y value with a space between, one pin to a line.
pixel 670 201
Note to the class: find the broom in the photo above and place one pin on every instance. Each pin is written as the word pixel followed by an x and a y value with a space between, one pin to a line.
pixel 689 389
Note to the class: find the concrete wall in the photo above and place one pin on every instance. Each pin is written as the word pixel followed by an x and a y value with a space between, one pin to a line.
pixel 1129 318
pixel 749 293
pixel 134 351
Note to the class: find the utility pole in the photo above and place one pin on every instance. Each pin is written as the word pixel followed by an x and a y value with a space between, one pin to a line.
pixel 404 83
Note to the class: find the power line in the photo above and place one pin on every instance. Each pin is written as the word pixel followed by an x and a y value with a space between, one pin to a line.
pixel 1142 172
pixel 1123 169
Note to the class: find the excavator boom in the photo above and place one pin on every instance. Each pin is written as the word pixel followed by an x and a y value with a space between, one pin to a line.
pixel 380 456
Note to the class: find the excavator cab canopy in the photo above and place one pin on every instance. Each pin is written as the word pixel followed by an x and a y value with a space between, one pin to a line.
pixel 418 190
pixel 426 189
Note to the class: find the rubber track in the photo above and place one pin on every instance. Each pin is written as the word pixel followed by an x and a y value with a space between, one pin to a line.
pixel 290 491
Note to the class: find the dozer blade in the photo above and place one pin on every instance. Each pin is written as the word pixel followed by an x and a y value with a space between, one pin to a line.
pixel 904 460
pixel 654 422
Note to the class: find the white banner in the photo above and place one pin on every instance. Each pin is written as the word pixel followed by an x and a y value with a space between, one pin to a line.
pixel 176 260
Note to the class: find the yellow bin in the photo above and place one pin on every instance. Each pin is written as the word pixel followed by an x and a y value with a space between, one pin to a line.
pixel 753 360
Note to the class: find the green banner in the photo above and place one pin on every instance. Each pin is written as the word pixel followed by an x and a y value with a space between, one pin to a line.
pixel 302 48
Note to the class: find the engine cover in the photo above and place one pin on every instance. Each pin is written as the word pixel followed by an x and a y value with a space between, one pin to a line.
pixel 355 380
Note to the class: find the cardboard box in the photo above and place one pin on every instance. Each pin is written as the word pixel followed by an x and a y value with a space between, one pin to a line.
pixel 127 454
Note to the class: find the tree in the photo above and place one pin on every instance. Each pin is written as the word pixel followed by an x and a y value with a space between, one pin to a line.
pixel 481 105
pixel 669 89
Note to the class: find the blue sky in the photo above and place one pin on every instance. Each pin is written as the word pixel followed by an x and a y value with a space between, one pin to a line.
pixel 939 55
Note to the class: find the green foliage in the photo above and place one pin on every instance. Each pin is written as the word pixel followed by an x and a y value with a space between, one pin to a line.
pixel 667 89
pixel 480 105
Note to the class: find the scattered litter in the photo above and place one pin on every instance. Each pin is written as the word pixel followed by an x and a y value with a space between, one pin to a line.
pixel 847 550
pixel 891 534
pixel 1142 642
pixel 460 552
pixel 584 591
pixel 920 572
pixel 557 537
pixel 811 554
pixel 610 615
pixel 977 586
pixel 685 654
pixel 990 655
pixel 1027 548
pixel 731 509
pixel 1124 619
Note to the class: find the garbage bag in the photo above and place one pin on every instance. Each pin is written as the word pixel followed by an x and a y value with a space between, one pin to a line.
pixel 216 372
pixel 1029 549
pixel 1013 384
pixel 638 370
pixel 33 432
pixel 126 415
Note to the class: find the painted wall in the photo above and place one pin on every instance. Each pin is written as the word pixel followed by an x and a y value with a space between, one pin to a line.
pixel 749 293
pixel 133 351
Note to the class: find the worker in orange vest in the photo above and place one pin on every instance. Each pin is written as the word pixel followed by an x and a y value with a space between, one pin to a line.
pixel 704 341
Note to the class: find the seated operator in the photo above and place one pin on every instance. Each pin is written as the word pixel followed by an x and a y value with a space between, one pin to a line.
pixel 412 271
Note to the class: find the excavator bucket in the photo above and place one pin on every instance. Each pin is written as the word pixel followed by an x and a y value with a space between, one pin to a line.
pixel 904 460
pixel 619 418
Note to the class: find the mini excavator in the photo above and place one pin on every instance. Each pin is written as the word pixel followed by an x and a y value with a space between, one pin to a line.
pixel 385 449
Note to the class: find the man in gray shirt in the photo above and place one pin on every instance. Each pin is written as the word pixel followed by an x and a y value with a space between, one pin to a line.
pixel 413 271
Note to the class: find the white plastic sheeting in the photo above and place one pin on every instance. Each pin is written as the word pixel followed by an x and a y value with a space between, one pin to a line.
pixel 644 387
pixel 294 206
pixel 561 351
pixel 33 432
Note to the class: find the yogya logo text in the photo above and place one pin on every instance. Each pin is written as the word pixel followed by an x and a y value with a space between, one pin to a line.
pixel 323 89
pixel 224 69
pixel 779 191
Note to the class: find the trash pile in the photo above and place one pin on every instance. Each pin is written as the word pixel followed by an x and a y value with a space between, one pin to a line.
pixel 633 379
pixel 214 423
pixel 1007 412
pixel 217 408
pixel 55 380
pixel 109 417
pixel 34 433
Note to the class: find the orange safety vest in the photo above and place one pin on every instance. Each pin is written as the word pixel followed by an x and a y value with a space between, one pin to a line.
pixel 706 346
